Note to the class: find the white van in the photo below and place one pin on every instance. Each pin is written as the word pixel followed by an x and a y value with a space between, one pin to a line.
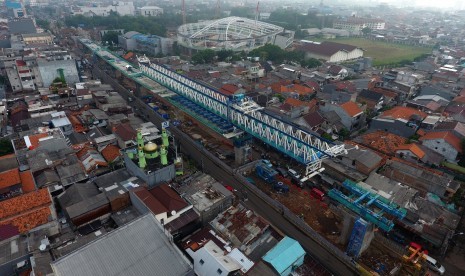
pixel 435 265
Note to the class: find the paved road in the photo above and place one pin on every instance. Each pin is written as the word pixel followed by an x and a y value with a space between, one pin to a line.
pixel 254 202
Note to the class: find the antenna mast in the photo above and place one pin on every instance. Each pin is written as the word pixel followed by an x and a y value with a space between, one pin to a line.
pixel 256 12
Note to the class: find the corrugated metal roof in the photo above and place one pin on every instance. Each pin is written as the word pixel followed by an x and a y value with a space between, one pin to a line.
pixel 284 254
pixel 138 248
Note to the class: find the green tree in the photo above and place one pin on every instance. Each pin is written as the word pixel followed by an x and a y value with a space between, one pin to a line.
pixel 5 147
pixel 204 56
pixel 224 55
pixel 366 31
pixel 111 36
pixel 310 63
pixel 43 23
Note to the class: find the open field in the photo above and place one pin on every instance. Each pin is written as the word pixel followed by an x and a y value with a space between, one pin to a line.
pixel 384 53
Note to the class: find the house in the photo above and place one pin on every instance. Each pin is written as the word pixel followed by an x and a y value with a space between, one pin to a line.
pixel 337 72
pixel 13 183
pixel 139 247
pixel 230 89
pixel 61 121
pixel 372 99
pixel 457 128
pixel 421 178
pixel 91 159
pixel 443 142
pixel 212 254
pixel 363 160
pixel 412 151
pixel 170 209
pixel 399 120
pixel 311 121
pixel 150 11
pixel 211 259
pixel 28 211
pixel 286 256
pixel 295 108
pixel 125 135
pixel 208 196
pixel 351 115
pixel 111 153
pixel 245 230
pixel 330 51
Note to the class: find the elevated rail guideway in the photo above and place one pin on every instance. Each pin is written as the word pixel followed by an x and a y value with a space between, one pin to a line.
pixel 239 110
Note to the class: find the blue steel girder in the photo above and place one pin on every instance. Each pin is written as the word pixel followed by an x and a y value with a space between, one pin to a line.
pixel 375 199
pixel 295 142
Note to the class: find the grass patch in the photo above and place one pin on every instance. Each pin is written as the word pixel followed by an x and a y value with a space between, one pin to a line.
pixel 454 167
pixel 384 53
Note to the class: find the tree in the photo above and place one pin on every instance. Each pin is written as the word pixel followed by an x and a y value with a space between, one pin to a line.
pixel 5 147
pixel 310 63
pixel 366 31
pixel 44 24
pixel 111 36
pixel 224 55
pixel 204 56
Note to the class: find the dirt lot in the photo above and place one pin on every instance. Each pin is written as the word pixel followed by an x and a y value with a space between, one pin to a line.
pixel 315 213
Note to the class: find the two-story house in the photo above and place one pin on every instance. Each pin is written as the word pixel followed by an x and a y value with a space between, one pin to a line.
pixel 372 99
pixel 352 116
pixel 443 142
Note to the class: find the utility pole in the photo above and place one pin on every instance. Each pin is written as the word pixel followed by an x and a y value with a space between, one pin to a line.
pixel 183 12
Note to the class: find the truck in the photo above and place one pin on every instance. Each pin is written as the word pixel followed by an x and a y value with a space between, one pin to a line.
pixel 269 175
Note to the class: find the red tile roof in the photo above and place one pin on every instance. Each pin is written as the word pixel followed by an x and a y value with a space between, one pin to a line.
pixel 27 181
pixel 402 112
pixel 351 108
pixel 26 211
pixel 150 201
pixel 228 89
pixel 447 136
pixel 168 197
pixel 9 178
pixel 35 139
pixel 381 141
pixel 161 199
pixel 125 131
pixel 413 148
pixel 110 153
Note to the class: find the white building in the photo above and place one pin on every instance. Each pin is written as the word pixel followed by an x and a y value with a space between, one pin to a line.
pixel 150 11
pixel 121 8
pixel 357 24
pixel 330 51
pixel 211 260
pixel 61 121
pixel 444 143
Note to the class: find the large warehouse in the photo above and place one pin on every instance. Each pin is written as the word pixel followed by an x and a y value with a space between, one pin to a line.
pixel 330 51
pixel 232 33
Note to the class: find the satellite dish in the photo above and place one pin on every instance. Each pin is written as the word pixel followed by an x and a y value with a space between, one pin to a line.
pixel 42 247
pixel 173 212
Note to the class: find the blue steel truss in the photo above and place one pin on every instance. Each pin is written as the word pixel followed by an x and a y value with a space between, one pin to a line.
pixel 363 211
pixel 375 199
pixel 245 114
pixel 242 112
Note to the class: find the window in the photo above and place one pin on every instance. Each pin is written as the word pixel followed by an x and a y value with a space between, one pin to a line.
pixel 201 262
pixel 219 271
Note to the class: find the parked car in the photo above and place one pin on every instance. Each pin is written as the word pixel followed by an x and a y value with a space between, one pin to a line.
pixel 293 174
pixel 282 172
pixel 317 194
pixel 435 265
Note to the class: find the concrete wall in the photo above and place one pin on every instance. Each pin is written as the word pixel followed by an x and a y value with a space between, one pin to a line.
pixel 440 146
pixel 48 71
